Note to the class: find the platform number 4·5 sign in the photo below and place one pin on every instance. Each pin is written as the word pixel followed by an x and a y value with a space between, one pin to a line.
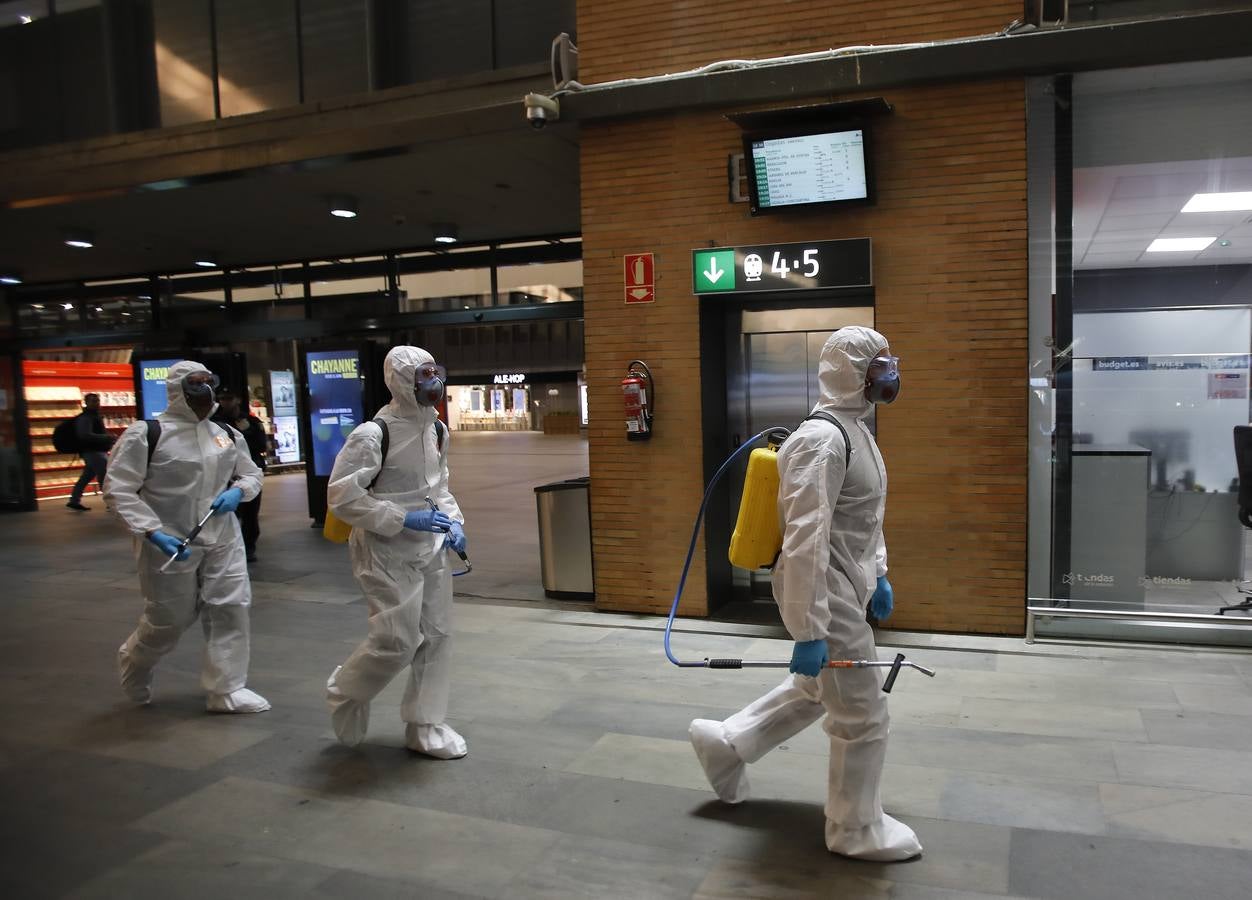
pixel 638 279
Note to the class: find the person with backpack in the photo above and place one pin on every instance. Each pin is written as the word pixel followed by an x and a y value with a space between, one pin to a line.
pixel 90 440
pixel 390 484
pixel 165 476
pixel 238 416
pixel 832 567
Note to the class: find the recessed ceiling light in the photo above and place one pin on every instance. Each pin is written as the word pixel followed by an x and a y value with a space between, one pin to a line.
pixel 1228 201
pixel 343 207
pixel 445 233
pixel 1179 245
pixel 10 278
pixel 78 238
pixel 36 306
pixel 206 259
pixel 67 306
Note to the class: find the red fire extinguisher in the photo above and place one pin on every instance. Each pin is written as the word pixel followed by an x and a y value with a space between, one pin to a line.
pixel 635 389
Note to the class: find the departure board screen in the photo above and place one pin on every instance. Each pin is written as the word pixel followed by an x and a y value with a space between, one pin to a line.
pixel 808 168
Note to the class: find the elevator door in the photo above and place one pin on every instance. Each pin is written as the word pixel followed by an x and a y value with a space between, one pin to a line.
pixel 772 380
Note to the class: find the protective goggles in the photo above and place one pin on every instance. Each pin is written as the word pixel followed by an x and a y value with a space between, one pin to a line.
pixel 200 385
pixel 429 371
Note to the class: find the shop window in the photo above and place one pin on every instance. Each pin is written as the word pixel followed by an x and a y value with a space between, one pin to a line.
pixel 1133 478
pixel 541 282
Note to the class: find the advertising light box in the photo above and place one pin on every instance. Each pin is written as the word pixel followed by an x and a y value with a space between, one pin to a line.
pixel 286 423
pixel 152 377
pixel 336 403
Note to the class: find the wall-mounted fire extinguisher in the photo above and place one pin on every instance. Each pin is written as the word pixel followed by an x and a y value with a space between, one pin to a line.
pixel 636 388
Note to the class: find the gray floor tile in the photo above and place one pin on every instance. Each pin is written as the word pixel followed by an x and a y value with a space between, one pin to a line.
pixel 1052 864
pixel 1192 729
pixel 1053 719
pixel 580 780
pixel 459 853
pixel 1185 767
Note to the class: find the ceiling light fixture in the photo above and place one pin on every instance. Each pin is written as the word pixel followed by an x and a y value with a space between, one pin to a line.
pixel 10 278
pixel 67 305
pixel 445 233
pixel 78 238
pixel 343 207
pixel 1179 245
pixel 1227 201
pixel 206 260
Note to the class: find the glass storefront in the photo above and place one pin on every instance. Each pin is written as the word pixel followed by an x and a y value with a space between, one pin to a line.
pixel 1141 342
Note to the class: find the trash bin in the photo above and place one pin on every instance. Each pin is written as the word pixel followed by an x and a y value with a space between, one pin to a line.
pixel 564 509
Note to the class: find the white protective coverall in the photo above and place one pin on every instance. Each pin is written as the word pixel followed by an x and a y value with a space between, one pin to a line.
pixel 404 574
pixel 832 555
pixel 195 460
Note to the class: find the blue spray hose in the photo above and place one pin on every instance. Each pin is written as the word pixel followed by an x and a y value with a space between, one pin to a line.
pixel 695 535
pixel 894 665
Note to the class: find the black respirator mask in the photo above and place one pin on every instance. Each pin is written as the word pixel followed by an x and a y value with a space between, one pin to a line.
pixel 882 380
pixel 200 388
pixel 429 384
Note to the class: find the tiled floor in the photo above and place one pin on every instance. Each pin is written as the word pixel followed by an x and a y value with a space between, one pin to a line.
pixel 1047 771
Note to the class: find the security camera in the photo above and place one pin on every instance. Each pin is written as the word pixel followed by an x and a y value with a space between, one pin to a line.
pixel 541 109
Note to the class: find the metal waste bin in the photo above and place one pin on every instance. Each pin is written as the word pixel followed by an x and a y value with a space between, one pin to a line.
pixel 564 509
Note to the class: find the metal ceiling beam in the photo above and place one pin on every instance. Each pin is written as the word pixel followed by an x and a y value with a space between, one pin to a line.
pixel 1106 46
pixel 304 329
pixel 560 248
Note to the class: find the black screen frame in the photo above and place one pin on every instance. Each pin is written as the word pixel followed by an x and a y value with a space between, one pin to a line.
pixel 754 204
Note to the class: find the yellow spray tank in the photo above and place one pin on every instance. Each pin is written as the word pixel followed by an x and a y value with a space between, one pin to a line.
pixel 757 538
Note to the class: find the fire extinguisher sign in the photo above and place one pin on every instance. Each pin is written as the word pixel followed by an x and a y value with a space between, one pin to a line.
pixel 637 278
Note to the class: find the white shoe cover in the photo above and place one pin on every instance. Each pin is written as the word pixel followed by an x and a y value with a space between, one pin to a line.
pixel 888 840
pixel 350 718
pixel 726 772
pixel 136 685
pixel 439 741
pixel 240 701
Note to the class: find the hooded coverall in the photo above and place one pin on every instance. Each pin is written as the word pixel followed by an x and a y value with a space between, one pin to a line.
pixel 404 574
pixel 832 554
pixel 194 461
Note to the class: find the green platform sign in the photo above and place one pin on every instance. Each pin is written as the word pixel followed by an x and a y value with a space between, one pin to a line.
pixel 713 270
pixel 770 268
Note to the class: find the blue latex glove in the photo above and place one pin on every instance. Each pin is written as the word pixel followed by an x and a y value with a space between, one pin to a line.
pixel 883 600
pixel 809 657
pixel 456 537
pixel 427 520
pixel 227 501
pixel 168 544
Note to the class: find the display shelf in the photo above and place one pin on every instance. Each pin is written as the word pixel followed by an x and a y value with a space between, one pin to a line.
pixel 53 393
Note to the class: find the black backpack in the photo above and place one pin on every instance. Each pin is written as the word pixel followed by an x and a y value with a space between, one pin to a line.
pixel 65 436
pixel 154 434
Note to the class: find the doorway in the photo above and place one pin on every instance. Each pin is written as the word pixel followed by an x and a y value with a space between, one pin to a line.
pixel 770 356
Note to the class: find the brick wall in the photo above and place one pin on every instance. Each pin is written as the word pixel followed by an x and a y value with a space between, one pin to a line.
pixel 949 233
pixel 629 38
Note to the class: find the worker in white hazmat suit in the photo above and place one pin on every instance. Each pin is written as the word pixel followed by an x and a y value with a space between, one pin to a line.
pixel 161 492
pixel 398 557
pixel 832 566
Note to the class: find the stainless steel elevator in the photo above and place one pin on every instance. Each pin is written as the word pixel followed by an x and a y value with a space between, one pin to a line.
pixel 771 360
